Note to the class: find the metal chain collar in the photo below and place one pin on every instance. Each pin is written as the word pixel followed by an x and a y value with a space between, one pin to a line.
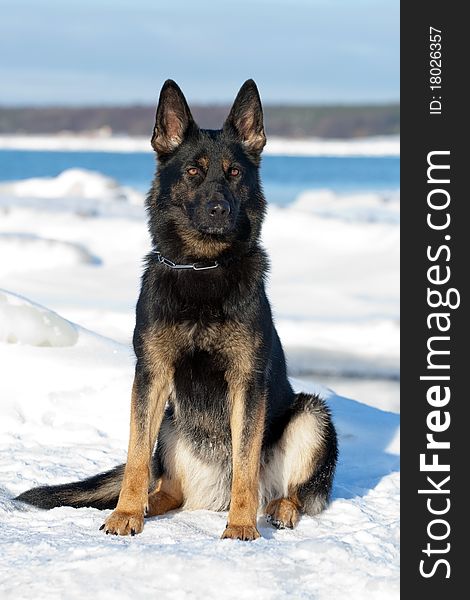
pixel 194 266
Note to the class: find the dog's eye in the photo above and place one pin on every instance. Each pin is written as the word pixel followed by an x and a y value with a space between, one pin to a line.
pixel 234 172
pixel 192 171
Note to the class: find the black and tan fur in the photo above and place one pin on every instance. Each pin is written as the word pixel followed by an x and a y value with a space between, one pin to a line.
pixel 215 423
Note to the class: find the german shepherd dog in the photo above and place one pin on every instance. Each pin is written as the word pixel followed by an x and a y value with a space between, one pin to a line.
pixel 210 389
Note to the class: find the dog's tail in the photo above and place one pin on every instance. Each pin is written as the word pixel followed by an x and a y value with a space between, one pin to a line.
pixel 100 491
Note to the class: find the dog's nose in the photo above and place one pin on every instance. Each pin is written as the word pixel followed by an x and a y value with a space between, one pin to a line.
pixel 218 208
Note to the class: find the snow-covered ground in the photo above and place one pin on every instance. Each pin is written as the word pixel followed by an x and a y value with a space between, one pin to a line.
pixel 71 251
pixel 370 146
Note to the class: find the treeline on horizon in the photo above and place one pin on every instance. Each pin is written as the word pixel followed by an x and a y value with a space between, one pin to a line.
pixel 346 121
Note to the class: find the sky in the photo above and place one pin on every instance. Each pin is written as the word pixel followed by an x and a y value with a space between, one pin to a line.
pixel 75 52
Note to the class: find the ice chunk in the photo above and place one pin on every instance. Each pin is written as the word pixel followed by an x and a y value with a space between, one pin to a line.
pixel 22 322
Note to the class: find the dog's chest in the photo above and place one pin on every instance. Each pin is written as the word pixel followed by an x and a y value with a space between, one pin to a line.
pixel 208 337
pixel 200 401
pixel 200 388
pixel 224 340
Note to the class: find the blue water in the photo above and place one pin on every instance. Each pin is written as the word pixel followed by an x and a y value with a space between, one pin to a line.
pixel 284 177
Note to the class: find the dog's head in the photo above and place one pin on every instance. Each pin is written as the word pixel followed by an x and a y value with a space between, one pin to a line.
pixel 207 187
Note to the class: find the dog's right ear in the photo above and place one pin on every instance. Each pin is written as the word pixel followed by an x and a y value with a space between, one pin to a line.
pixel 173 119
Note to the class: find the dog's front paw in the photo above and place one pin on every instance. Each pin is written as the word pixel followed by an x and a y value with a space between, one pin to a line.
pixel 123 523
pixel 241 532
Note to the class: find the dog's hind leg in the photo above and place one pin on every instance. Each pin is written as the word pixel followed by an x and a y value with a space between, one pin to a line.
pixel 297 472
pixel 167 496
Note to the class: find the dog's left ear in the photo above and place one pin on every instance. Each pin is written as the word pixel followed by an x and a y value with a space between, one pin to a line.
pixel 173 119
pixel 246 118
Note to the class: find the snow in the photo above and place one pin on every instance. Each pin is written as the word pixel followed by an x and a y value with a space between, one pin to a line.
pixel 370 146
pixel 334 286
pixel 17 250
pixel 365 207
pixel 25 323
pixel 72 183
pixel 71 253
pixel 387 145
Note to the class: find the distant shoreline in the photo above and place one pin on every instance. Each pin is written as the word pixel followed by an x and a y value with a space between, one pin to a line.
pixel 283 121
pixel 387 145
